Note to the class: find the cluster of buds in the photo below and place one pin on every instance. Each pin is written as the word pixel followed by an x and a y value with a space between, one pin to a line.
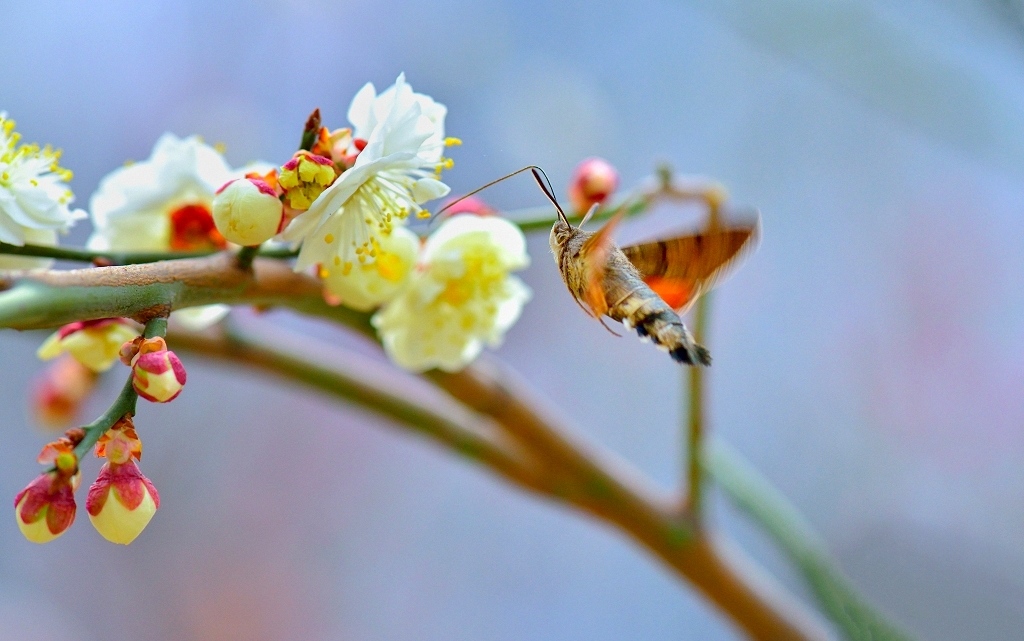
pixel 252 210
pixel 46 508
pixel 157 373
pixel 120 503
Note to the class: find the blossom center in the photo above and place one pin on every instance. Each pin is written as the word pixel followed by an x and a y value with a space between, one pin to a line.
pixel 193 229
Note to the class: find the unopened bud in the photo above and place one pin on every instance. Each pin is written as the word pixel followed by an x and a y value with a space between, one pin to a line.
pixel 93 343
pixel 593 181
pixel 121 502
pixel 157 373
pixel 247 211
pixel 46 508
pixel 58 394
pixel 469 205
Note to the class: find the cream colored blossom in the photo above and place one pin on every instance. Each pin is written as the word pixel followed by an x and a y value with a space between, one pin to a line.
pixel 164 203
pixel 94 343
pixel 34 201
pixel 461 298
pixel 372 283
pixel 401 137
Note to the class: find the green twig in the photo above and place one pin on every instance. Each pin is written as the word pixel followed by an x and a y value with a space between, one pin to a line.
pixel 124 257
pixel 245 257
pixel 755 495
pixel 123 404
pixel 696 419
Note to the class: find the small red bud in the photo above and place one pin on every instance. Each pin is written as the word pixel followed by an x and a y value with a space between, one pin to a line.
pixel 593 181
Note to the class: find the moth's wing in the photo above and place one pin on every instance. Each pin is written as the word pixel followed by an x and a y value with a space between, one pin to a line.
pixel 594 254
pixel 681 269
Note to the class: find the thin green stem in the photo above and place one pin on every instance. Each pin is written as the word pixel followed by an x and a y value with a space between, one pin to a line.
pixel 534 219
pixel 755 495
pixel 696 419
pixel 124 403
pixel 245 257
pixel 124 257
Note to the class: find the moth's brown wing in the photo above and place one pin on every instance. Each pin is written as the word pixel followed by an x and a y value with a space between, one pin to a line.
pixel 681 269
pixel 594 254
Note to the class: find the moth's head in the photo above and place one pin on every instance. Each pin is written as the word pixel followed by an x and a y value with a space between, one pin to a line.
pixel 561 232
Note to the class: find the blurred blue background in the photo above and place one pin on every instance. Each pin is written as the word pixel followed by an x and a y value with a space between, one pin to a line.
pixel 869 358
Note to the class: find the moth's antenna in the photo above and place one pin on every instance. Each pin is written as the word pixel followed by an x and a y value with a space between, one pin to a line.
pixel 590 212
pixel 480 189
pixel 548 191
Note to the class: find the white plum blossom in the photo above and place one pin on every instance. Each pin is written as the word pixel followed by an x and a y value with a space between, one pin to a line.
pixel 372 283
pixel 34 201
pixel 461 298
pixel 164 203
pixel 401 137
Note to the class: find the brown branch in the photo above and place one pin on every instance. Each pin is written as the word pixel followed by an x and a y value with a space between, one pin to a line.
pixel 517 435
pixel 42 299
pixel 715 567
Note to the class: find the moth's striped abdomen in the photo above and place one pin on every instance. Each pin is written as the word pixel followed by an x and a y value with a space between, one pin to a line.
pixel 642 309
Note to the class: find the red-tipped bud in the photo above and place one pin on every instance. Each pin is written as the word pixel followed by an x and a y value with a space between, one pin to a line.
pixel 469 205
pixel 593 181
pixel 121 502
pixel 157 374
pixel 46 508
pixel 247 211
pixel 58 394
pixel 304 177
pixel 93 343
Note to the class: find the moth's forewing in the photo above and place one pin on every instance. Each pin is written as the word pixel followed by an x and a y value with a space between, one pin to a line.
pixel 594 253
pixel 681 269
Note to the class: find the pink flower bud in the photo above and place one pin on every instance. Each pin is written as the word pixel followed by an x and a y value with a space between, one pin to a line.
pixel 157 374
pixel 469 205
pixel 121 502
pixel 46 508
pixel 593 181
pixel 58 394
pixel 247 211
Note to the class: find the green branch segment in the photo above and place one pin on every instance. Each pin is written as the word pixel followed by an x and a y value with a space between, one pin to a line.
pixel 124 403
pixel 755 495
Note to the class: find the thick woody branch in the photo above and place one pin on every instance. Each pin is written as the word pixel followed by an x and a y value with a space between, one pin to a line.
pixel 616 495
pixel 42 299
pixel 519 436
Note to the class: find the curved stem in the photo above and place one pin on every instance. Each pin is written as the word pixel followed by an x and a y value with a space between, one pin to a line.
pixel 756 496
pixel 123 404
pixel 616 494
pixel 696 420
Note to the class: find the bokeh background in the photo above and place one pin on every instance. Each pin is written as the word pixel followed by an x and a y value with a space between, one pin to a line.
pixel 869 358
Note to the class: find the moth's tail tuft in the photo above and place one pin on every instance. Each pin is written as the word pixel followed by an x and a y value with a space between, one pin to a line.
pixel 694 355
pixel 664 328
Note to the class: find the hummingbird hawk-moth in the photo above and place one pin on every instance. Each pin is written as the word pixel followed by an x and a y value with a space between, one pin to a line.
pixel 647 286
